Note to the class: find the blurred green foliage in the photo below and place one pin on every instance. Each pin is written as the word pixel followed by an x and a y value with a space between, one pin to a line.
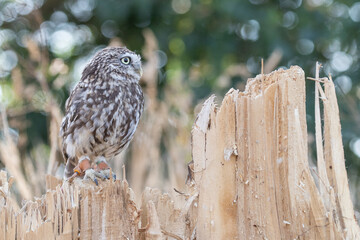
pixel 199 38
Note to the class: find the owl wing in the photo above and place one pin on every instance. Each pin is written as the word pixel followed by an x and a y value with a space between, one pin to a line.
pixel 78 91
pixel 71 108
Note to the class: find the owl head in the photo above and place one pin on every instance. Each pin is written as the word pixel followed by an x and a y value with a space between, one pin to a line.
pixel 118 63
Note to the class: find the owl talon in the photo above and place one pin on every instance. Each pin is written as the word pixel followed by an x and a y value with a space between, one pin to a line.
pixel 93 175
pixel 90 174
pixel 105 174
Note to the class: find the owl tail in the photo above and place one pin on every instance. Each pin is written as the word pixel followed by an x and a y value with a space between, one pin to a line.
pixel 69 168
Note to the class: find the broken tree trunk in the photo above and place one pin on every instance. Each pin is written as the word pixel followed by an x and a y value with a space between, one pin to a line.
pixel 76 211
pixel 251 165
pixel 251 180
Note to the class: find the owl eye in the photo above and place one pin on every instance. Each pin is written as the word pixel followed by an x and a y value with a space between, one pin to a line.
pixel 125 60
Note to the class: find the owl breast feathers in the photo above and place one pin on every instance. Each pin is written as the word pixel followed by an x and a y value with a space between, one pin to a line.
pixel 104 108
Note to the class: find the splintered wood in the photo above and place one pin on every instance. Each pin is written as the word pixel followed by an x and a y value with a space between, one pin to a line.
pixel 251 179
pixel 251 165
pixel 77 211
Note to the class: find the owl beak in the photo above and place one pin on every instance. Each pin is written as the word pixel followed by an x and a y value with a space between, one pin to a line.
pixel 139 71
pixel 138 68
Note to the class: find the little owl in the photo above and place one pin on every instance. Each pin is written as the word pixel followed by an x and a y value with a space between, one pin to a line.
pixel 102 113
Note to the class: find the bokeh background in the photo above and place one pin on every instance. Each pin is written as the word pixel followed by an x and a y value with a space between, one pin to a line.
pixel 191 49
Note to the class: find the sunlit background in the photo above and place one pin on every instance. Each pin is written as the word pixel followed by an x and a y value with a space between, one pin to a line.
pixel 191 49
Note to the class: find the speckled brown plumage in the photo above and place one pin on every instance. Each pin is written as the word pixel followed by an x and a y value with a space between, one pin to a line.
pixel 104 108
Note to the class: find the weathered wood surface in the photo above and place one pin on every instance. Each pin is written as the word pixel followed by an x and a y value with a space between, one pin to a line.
pixel 104 212
pixel 251 165
pixel 251 180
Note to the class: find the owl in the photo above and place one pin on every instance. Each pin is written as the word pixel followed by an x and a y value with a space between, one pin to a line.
pixel 102 113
